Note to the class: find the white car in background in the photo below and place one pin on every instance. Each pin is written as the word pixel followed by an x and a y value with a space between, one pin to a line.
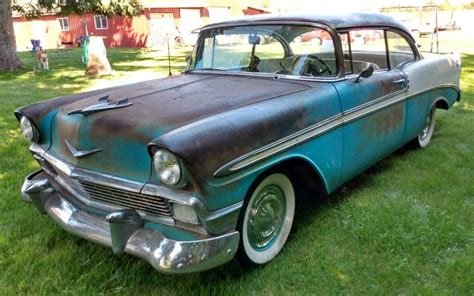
pixel 186 39
pixel 419 29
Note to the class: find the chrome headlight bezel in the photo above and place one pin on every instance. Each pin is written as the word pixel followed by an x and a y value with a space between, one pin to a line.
pixel 169 168
pixel 28 129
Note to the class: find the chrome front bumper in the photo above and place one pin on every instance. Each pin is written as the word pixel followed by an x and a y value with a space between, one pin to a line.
pixel 123 231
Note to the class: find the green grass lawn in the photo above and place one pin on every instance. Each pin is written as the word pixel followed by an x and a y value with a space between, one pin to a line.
pixel 406 226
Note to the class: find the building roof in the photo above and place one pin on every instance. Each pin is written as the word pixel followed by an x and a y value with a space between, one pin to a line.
pixel 335 21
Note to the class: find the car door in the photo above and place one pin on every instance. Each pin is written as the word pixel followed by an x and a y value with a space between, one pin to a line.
pixel 373 108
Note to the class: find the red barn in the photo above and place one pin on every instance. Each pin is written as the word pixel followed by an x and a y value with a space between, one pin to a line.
pixel 176 19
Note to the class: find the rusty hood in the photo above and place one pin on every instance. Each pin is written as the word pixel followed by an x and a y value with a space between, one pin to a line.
pixel 109 132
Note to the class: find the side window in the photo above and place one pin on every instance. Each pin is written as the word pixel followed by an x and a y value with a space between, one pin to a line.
pixel 314 48
pixel 367 47
pixel 399 50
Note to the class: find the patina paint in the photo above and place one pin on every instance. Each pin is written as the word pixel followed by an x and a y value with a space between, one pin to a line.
pixel 369 138
pixel 206 145
pixel 157 107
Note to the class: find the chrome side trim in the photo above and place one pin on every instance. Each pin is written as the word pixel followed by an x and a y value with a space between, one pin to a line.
pixel 354 115
pixel 446 85
pixel 280 145
pixel 320 128
pixel 373 102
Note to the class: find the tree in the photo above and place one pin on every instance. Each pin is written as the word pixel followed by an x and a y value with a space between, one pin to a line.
pixel 33 9
pixel 8 59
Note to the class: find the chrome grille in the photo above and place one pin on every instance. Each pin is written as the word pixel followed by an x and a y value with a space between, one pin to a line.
pixel 148 204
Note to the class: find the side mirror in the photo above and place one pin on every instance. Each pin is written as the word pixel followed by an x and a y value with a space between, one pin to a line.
pixel 366 73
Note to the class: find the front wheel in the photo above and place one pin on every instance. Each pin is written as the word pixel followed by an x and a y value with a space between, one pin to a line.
pixel 266 220
pixel 424 137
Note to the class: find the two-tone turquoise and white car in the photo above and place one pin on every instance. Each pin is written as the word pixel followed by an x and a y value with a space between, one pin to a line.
pixel 190 171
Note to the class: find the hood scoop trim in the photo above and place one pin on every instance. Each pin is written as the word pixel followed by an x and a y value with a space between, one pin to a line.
pixel 102 104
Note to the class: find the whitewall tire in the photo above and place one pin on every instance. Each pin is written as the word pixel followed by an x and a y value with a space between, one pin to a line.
pixel 424 137
pixel 266 219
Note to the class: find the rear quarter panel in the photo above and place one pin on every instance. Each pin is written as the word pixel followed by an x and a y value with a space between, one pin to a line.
pixel 435 77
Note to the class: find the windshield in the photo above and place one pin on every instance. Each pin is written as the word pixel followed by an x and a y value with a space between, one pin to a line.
pixel 274 49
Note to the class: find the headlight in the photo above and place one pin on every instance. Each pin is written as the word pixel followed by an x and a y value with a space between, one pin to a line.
pixel 167 167
pixel 28 130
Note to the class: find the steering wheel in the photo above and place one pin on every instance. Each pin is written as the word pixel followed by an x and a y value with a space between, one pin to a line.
pixel 311 68
pixel 285 71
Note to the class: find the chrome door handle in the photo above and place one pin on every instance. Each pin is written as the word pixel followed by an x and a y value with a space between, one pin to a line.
pixel 404 83
pixel 400 81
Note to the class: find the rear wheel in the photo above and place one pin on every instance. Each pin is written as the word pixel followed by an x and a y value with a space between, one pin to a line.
pixel 424 137
pixel 266 220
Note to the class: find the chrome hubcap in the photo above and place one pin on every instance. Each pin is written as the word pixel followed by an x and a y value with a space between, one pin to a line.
pixel 266 216
pixel 426 129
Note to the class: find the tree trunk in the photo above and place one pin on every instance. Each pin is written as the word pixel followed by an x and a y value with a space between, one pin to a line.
pixel 8 59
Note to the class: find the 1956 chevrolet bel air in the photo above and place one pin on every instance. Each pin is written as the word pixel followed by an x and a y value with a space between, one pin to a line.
pixel 191 171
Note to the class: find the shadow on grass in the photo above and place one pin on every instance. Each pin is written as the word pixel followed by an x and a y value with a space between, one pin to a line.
pixel 313 203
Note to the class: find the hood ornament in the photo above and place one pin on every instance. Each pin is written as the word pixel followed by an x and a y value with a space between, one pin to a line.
pixel 102 104
pixel 77 153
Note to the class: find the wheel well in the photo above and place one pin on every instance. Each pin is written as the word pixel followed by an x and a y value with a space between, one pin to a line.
pixel 442 104
pixel 304 176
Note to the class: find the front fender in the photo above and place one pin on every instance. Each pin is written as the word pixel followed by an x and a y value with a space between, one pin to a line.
pixel 208 144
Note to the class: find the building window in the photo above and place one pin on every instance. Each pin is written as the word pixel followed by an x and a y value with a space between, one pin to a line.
pixel 63 24
pixel 101 22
